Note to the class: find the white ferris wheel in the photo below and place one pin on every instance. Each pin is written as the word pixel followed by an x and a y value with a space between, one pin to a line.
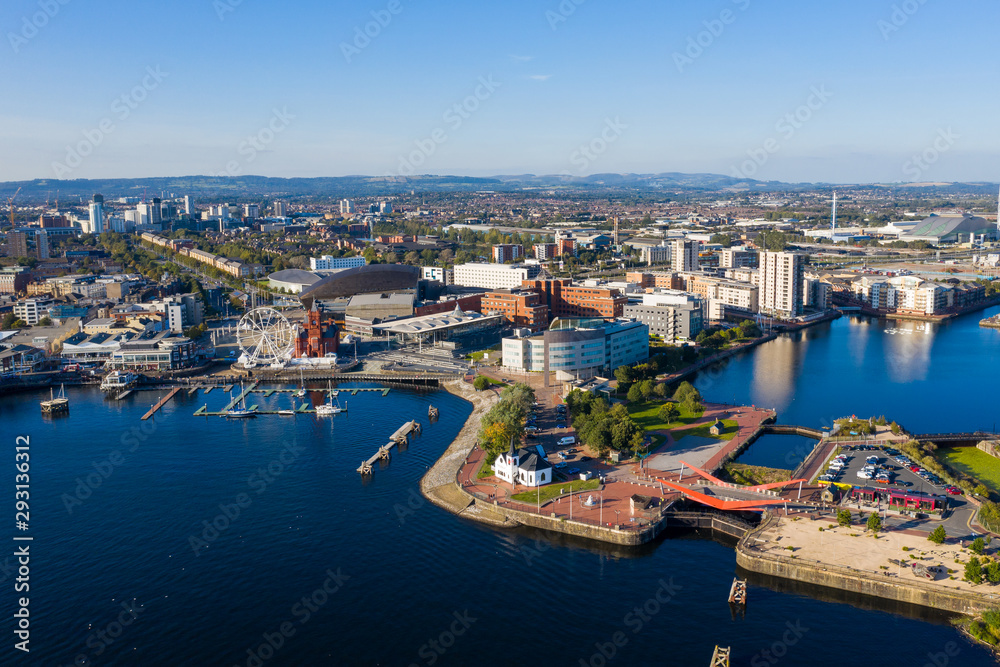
pixel 265 338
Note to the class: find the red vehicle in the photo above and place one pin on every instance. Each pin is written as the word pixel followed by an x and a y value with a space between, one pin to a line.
pixel 954 490
pixel 915 468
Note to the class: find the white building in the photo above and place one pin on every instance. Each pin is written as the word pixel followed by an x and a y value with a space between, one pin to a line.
pixel 684 255
pixel 95 221
pixel 782 277
pixel 494 276
pixel 280 209
pixel 524 466
pixel 328 263
pixel 657 254
pixel 347 207
pixel 188 210
pixel 738 258
pixel 32 310
pixel 251 211
pixel 580 348
pixel 438 273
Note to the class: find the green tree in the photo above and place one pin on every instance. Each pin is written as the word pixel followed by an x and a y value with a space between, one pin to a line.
pixel 993 572
pixel 8 321
pixel 635 393
pixel 977 546
pixel 938 535
pixel 686 390
pixel 646 388
pixel 973 571
pixel 844 517
pixel 660 390
pixel 481 383
pixel 981 490
pixel 668 412
pixel 874 522
pixel 45 321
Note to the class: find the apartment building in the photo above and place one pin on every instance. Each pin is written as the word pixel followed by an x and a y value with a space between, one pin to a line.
pixel 546 251
pixel 329 263
pixel 565 300
pixel 684 255
pixel 494 276
pixel 507 252
pixel 522 308
pixel 738 258
pixel 672 315
pixel 782 278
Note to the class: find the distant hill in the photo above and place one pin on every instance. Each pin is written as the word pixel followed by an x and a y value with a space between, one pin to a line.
pixel 251 187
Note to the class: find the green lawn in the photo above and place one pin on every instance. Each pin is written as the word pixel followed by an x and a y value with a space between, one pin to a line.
pixel 556 489
pixel 485 471
pixel 703 431
pixel 645 415
pixel 973 462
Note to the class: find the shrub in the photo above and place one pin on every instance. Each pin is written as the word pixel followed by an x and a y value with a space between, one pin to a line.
pixel 977 546
pixel 844 517
pixel 973 571
pixel 481 383
pixel 937 536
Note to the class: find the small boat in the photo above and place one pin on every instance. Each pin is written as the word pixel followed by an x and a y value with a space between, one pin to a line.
pixel 332 407
pixel 241 412
pixel 56 404
pixel 288 413
pixel 301 393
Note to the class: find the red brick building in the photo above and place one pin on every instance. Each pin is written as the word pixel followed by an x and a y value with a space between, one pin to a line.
pixel 521 308
pixel 472 303
pixel 318 336
pixel 563 299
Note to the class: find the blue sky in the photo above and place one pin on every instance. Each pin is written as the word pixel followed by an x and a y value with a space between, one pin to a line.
pixel 254 87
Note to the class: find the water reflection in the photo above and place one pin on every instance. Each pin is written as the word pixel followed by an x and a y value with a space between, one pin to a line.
pixel 907 350
pixel 776 368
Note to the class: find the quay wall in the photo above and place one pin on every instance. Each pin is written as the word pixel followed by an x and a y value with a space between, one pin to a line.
pixel 912 591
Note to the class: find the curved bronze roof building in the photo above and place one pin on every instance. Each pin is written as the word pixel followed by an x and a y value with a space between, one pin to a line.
pixel 363 280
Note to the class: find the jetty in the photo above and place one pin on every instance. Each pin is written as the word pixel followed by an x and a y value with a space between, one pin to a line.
pixel 400 437
pixel 163 401
pixel 991 322
pixel 738 591
pixel 720 658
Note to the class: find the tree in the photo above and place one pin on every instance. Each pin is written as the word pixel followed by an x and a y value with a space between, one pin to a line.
pixel 973 571
pixel 668 412
pixel 45 321
pixel 725 240
pixel 874 522
pixel 981 490
pixel 938 535
pixel 635 393
pixel 993 572
pixel 685 390
pixel 977 546
pixel 660 390
pixel 844 517
pixel 8 321
pixel 481 382
pixel 646 388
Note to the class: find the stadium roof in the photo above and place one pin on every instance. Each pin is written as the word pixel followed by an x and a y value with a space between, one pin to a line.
pixel 947 227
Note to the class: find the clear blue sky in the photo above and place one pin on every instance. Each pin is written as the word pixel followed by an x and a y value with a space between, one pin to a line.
pixel 892 93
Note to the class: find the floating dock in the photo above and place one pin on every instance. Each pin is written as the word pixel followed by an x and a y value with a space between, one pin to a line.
pixel 203 411
pixel 400 437
pixel 738 592
pixel 721 657
pixel 163 401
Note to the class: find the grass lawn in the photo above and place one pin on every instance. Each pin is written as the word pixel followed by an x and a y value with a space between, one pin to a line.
pixel 973 462
pixel 556 489
pixel 703 431
pixel 485 471
pixel 754 475
pixel 645 415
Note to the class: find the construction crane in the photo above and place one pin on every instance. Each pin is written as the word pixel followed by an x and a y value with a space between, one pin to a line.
pixel 10 204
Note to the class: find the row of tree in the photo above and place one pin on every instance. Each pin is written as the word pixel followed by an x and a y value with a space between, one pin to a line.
pixel 504 422
pixel 602 427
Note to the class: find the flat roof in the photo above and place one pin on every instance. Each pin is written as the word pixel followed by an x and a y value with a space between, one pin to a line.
pixel 437 322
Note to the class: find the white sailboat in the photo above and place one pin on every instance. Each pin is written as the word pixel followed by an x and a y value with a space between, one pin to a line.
pixel 288 413
pixel 301 393
pixel 241 412
pixel 331 407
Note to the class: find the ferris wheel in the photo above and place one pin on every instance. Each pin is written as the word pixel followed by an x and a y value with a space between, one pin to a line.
pixel 265 337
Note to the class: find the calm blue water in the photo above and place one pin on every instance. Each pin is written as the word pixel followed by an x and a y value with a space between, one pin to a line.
pixel 416 584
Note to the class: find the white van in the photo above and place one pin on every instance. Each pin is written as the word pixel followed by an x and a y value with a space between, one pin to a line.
pixel 568 440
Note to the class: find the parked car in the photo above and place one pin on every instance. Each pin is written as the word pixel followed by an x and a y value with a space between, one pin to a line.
pixel 584 458
pixel 573 471
pixel 954 490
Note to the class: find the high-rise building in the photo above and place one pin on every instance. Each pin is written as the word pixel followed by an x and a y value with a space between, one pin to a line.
pixel 96 218
pixel 280 209
pixel 546 251
pixel 251 211
pixel 384 207
pixel 507 252
pixel 657 254
pixel 782 279
pixel 42 244
pixel 683 255
pixel 738 258
pixel 188 209
pixel 17 244
pixel 346 207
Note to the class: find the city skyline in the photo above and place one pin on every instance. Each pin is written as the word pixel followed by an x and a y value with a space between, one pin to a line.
pixel 855 93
